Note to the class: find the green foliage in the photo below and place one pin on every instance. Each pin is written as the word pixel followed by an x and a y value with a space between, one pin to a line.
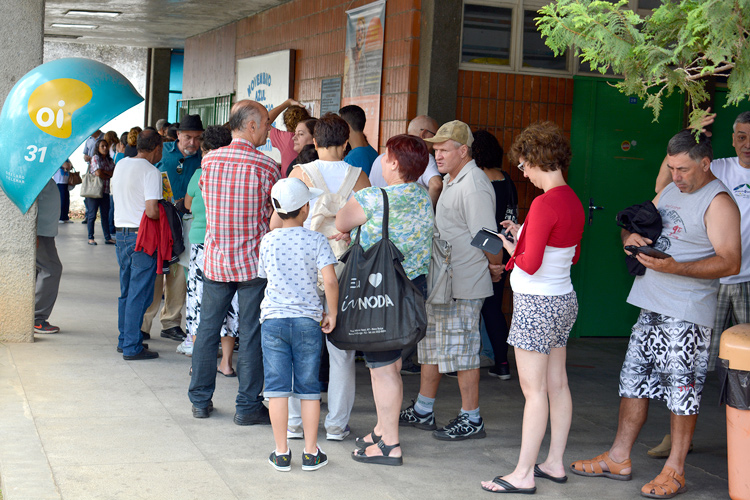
pixel 674 49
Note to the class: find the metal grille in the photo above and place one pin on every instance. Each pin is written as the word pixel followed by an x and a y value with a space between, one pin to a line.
pixel 212 110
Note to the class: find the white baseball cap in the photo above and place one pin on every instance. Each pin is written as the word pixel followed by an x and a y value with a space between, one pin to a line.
pixel 291 194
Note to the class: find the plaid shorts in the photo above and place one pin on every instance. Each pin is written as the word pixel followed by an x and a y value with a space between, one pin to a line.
pixel 667 359
pixel 453 339
pixel 732 308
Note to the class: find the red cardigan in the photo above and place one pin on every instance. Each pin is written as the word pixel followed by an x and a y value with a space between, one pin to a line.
pixel 156 236
pixel 555 219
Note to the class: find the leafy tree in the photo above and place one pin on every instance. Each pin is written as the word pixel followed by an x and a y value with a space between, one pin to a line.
pixel 675 48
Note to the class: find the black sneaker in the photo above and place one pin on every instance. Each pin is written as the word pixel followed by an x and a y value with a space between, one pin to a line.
pixel 144 354
pixel 461 428
pixel 45 327
pixel 314 462
pixel 281 463
pixel 410 417
pixel 502 372
pixel 451 374
pixel 145 346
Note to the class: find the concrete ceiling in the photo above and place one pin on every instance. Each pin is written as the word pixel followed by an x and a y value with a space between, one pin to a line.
pixel 145 23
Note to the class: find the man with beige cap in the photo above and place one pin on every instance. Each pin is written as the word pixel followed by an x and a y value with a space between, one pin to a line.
pixel 452 343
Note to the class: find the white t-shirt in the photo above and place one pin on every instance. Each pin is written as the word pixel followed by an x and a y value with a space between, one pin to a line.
pixel 376 173
pixel 737 179
pixel 134 181
pixel 290 259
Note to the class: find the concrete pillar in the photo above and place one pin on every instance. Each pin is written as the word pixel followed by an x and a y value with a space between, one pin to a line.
pixel 439 52
pixel 157 104
pixel 23 24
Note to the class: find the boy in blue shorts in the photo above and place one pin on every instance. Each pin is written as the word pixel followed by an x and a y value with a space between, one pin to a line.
pixel 292 317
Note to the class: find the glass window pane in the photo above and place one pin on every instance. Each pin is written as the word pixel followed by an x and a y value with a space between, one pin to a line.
pixel 486 36
pixel 649 4
pixel 535 53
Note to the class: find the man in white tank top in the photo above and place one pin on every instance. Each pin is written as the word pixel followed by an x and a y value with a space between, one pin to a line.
pixel 733 305
pixel 668 351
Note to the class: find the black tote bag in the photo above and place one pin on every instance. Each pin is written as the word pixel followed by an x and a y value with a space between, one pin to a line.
pixel 379 308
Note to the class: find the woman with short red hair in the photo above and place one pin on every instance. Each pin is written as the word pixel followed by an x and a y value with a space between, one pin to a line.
pixel 410 228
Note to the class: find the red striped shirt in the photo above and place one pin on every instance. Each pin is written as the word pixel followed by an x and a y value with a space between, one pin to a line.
pixel 236 185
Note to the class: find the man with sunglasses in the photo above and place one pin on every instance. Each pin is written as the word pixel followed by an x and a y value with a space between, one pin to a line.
pixel 180 160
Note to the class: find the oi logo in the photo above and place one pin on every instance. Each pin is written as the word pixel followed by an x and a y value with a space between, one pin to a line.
pixel 52 104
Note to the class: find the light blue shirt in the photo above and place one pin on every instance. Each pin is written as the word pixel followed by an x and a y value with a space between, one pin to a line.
pixel 362 157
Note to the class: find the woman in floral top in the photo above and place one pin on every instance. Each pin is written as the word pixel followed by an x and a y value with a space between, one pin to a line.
pixel 102 166
pixel 410 228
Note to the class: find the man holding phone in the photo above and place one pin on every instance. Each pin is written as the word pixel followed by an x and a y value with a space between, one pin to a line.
pixel 668 351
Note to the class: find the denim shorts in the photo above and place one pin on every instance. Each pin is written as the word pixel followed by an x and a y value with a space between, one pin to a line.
pixel 291 357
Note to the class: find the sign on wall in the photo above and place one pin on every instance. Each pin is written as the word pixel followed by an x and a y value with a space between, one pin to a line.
pixel 330 96
pixel 269 80
pixel 363 63
pixel 49 112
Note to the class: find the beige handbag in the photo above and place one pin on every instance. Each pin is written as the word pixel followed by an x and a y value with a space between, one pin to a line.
pixel 92 186
pixel 440 278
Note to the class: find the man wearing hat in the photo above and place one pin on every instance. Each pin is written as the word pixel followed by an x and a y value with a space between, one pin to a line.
pixel 180 160
pixel 466 205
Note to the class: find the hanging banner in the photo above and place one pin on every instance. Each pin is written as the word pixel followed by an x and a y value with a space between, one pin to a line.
pixel 51 111
pixel 268 80
pixel 363 63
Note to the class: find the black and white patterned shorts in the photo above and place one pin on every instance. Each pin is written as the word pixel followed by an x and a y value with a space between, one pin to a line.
pixel 541 322
pixel 667 359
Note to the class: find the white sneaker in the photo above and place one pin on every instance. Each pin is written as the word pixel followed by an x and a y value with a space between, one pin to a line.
pixel 338 437
pixel 294 433
pixel 185 348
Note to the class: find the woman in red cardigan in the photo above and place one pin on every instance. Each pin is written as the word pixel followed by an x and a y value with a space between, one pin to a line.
pixel 544 303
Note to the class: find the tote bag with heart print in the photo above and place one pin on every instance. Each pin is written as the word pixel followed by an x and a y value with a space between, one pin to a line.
pixel 379 308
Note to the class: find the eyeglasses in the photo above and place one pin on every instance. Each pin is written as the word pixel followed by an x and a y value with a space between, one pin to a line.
pixel 521 167
pixel 180 167
pixel 432 134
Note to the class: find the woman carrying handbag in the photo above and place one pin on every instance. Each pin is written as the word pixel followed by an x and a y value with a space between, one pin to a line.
pixel 409 227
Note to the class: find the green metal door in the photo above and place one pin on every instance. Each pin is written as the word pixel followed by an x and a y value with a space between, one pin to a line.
pixel 617 151
pixel 722 128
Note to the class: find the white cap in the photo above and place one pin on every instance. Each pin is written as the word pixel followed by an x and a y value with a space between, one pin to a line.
pixel 291 194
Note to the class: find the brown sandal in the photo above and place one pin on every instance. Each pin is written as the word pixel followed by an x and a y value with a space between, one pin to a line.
pixel 667 484
pixel 593 468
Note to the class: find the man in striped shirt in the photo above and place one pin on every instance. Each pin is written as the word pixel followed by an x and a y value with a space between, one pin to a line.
pixel 236 184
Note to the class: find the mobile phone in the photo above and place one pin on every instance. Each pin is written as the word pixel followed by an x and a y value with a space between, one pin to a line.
pixel 503 231
pixel 646 250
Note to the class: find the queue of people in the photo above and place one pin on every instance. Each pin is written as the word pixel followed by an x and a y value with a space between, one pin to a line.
pixel 264 247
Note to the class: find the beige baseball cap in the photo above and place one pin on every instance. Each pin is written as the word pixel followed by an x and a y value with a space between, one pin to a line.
pixel 453 131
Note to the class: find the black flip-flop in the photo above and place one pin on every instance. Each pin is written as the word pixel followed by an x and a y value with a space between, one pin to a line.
pixel 509 488
pixel 540 473
pixel 233 374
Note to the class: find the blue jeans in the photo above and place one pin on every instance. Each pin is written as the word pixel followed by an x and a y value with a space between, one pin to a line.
pixel 102 205
pixel 111 219
pixel 64 201
pixel 291 346
pixel 217 296
pixel 137 277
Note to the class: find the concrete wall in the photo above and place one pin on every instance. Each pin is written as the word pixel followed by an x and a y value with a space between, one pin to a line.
pixel 316 31
pixel 22 23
